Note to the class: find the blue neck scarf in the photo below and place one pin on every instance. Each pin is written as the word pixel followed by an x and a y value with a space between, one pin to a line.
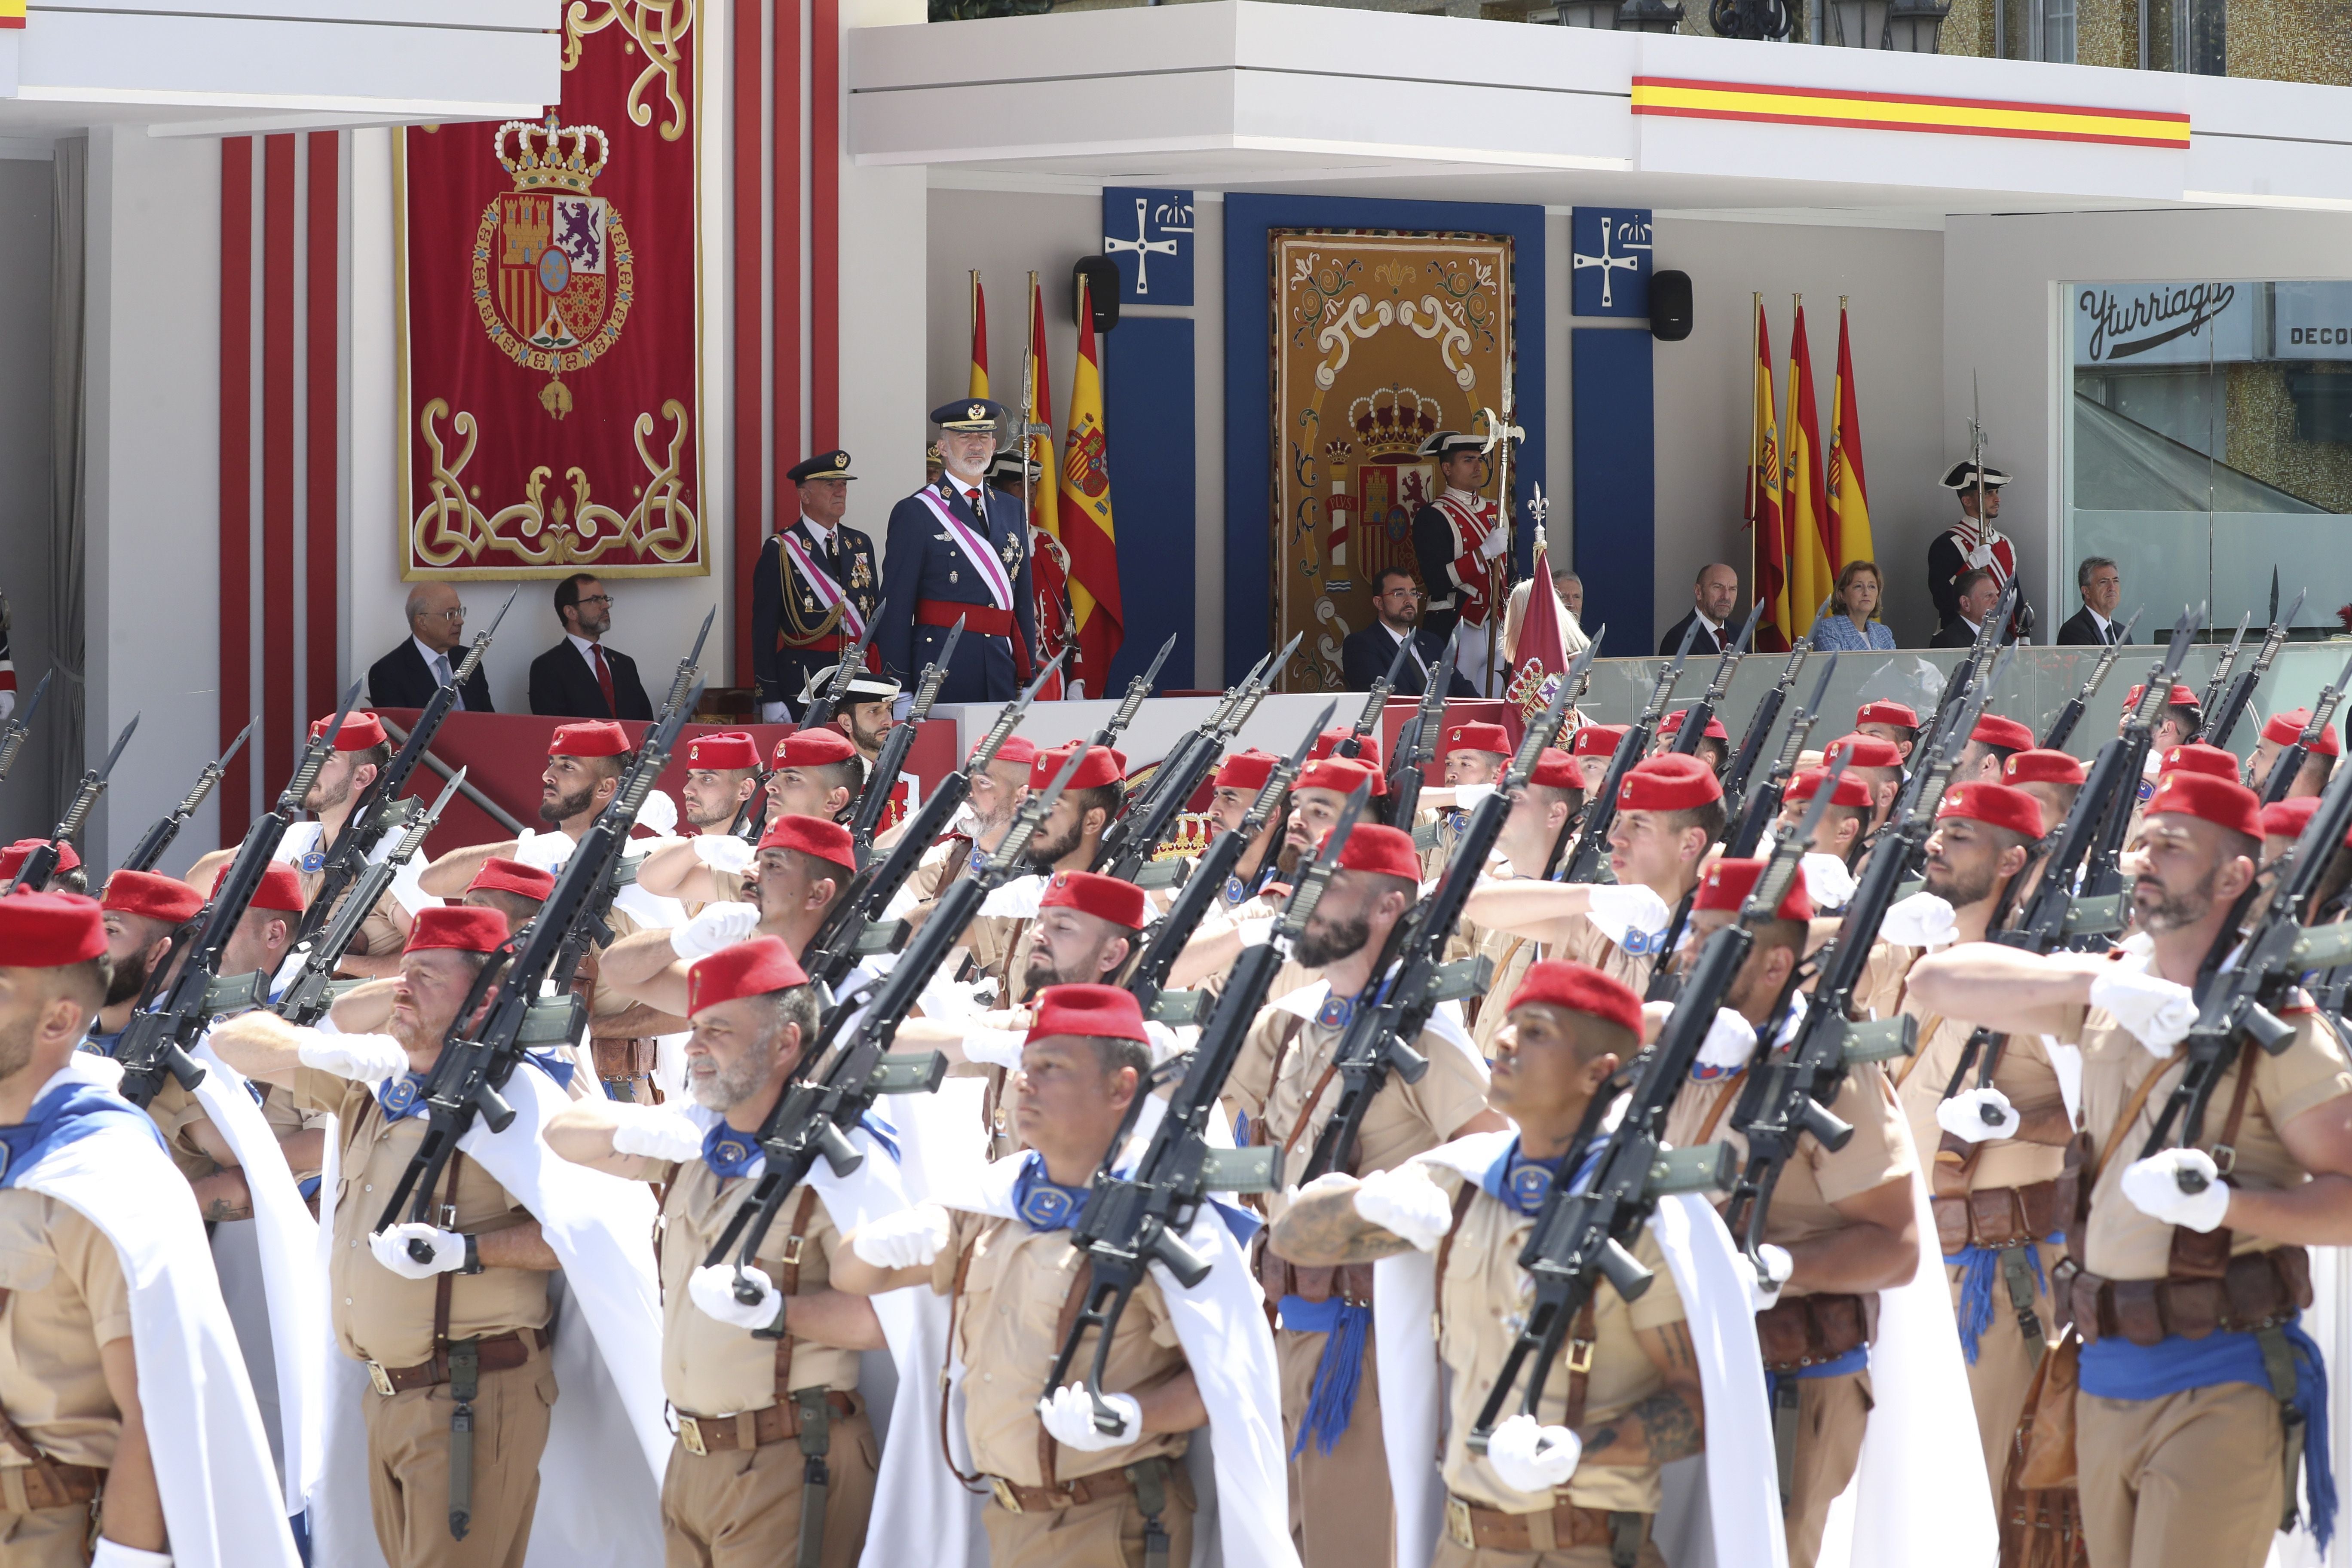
pixel 1521 1184
pixel 64 1116
pixel 405 1095
pixel 727 1152
pixel 1042 1203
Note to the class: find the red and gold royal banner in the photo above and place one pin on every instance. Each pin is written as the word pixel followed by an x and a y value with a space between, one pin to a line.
pixel 549 326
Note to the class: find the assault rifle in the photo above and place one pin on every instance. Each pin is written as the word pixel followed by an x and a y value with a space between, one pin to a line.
pixel 1757 809
pixel 1760 725
pixel 1376 701
pixel 2061 729
pixel 829 700
pixel 1697 715
pixel 2222 666
pixel 1128 843
pixel 479 1058
pixel 158 836
pixel 1133 1220
pixel 380 812
pixel 813 1117
pixel 684 679
pixel 155 1043
pixel 1136 690
pixel 34 873
pixel 1411 976
pixel 2289 762
pixel 891 761
pixel 1417 742
pixel 1584 861
pixel 307 997
pixel 2102 875
pixel 2219 725
pixel 12 733
pixel 1957 685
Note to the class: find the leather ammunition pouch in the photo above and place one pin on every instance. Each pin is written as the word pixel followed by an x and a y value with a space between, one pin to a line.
pixel 1799 1331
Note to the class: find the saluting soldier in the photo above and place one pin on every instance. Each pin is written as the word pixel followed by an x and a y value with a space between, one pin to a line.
pixel 959 549
pixel 815 588
pixel 1457 542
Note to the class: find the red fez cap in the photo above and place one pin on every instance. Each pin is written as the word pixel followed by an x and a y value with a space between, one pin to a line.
pixel 2225 803
pixel 1850 791
pixel 49 930
pixel 165 898
pixel 829 841
pixel 814 749
pixel 1340 776
pixel 1476 738
pixel 2000 806
pixel 1555 769
pixel 1374 847
pixel 505 876
pixel 1668 783
pixel 600 738
pixel 360 730
pixel 1579 988
pixel 1018 749
pixel 2288 818
pixel 2199 758
pixel 1730 883
pixel 2287 729
pixel 280 890
pixel 723 749
pixel 1096 1012
pixel 13 858
pixel 2182 698
pixel 1864 752
pixel 460 928
pixel 1886 712
pixel 1106 898
pixel 1597 741
pixel 1673 725
pixel 2040 766
pixel 1247 770
pixel 1327 744
pixel 1103 766
pixel 1992 730
pixel 752 968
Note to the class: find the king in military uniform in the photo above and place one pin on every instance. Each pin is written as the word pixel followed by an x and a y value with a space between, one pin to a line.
pixel 959 549
pixel 815 588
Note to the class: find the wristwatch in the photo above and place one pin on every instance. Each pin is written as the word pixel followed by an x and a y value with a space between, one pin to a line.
pixel 473 1254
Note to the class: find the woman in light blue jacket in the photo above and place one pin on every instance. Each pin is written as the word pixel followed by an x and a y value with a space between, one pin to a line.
pixel 1852 624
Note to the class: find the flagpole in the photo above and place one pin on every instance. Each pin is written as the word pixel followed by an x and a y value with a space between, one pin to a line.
pixel 1755 423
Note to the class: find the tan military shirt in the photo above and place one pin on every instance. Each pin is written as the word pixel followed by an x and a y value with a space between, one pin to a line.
pixel 1511 955
pixel 1588 946
pixel 2026 1075
pixel 2122 1243
pixel 710 1368
pixel 1007 1320
pixel 67 1298
pixel 379 1316
pixel 385 929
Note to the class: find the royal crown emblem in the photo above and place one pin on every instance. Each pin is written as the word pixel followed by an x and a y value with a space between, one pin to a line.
pixel 553 273
pixel 1393 422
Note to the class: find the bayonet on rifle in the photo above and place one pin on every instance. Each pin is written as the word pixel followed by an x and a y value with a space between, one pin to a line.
pixel 2061 729
pixel 828 702
pixel 159 835
pixel 1136 690
pixel 12 733
pixel 34 873
pixel 2218 726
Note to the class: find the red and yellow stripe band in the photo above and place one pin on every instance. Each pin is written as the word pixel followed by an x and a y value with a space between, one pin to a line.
pixel 12 12
pixel 1684 98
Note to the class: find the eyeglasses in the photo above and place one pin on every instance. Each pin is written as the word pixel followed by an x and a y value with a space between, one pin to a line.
pixel 605 599
pixel 457 614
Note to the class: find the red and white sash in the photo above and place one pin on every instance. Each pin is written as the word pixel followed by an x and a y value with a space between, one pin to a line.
pixel 1988 548
pixel 829 592
pixel 1475 589
pixel 983 560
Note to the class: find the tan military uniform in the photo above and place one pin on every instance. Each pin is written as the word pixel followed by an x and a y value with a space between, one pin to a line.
pixel 2196 1477
pixel 1339 1508
pixel 1588 946
pixel 390 1323
pixel 1014 1292
pixel 732 1495
pixel 1830 1411
pixel 65 1296
pixel 625 1064
pixel 385 929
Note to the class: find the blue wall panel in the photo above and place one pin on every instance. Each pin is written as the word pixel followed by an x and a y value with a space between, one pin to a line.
pixel 1147 416
pixel 1612 429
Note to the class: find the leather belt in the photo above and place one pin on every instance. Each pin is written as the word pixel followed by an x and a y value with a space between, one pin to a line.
pixel 705 1435
pixel 1479 1528
pixel 1997 1217
pixel 1016 1499
pixel 2255 1291
pixel 502 1352
pixel 48 1484
pixel 1799 1331
pixel 1279 1277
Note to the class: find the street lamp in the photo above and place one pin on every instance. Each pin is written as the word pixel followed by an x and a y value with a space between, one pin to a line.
pixel 1651 15
pixel 1912 25
pixel 1588 14
pixel 1854 23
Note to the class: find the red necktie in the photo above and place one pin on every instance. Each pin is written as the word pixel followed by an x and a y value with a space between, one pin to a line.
pixel 604 678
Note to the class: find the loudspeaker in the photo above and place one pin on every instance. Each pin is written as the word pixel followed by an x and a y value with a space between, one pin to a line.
pixel 1101 275
pixel 1670 305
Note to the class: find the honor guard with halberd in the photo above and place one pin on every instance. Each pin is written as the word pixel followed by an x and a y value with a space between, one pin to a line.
pixel 814 587
pixel 1457 542
pixel 959 549
pixel 1972 542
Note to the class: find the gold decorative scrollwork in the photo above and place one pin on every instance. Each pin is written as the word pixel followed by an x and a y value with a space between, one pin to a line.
pixel 449 530
pixel 657 27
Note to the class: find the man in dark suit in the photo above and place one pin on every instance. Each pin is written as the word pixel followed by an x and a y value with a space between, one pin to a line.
pixel 960 549
pixel 2101 582
pixel 410 674
pixel 1366 655
pixel 813 589
pixel 580 678
pixel 1715 594
pixel 1979 590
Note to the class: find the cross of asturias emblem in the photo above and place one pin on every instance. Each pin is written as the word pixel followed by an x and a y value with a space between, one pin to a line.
pixel 1145 249
pixel 1609 262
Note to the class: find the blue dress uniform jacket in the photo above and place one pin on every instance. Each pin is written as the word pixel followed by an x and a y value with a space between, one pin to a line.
pixel 787 646
pixel 924 565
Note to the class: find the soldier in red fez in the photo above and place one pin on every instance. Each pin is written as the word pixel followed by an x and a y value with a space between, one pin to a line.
pixel 1235 788
pixel 998 793
pixel 722 777
pixel 2282 731
pixel 1989 746
pixel 143 913
pixel 2051 778
pixel 1066 841
pixel 1875 762
pixel 585 764
pixel 1714 746
pixel 1593 746
pixel 66 877
pixel 1534 839
pixel 2176 721
pixel 1897 723
pixel 1840 833
pixel 514 889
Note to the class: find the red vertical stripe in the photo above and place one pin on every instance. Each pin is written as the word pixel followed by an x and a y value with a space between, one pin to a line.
pixel 321 406
pixel 236 476
pixel 749 410
pixel 276 738
pixel 786 245
pixel 824 222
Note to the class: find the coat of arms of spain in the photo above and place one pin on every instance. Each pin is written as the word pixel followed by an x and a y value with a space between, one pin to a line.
pixel 553 273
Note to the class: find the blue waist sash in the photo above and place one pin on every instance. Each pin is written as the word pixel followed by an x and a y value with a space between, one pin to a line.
pixel 1980 1266
pixel 1853 1360
pixel 1340 1371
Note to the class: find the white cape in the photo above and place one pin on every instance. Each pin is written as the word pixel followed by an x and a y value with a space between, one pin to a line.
pixel 221 1507
pixel 1743 1499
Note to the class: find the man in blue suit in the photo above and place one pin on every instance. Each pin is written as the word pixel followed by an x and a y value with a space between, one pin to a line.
pixel 958 548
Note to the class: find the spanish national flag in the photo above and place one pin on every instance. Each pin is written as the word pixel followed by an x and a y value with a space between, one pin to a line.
pixel 1087 531
pixel 1776 631
pixel 12 12
pixel 979 387
pixel 1810 576
pixel 1048 582
pixel 1849 493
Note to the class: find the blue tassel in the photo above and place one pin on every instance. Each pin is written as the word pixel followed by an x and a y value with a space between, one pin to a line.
pixel 1980 1272
pixel 1331 1404
pixel 2311 1399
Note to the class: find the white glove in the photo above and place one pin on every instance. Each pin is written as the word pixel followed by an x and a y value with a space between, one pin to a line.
pixel 1254 932
pixel 1730 1041
pixel 658 813
pixel 1765 1294
pixel 391 1249
pixel 902 705
pixel 718 926
pixel 2159 1013
pixel 994 1048
pixel 655 1131
pixel 1467 796
pixel 1069 1417
pixel 1977 1115
pixel 7 709
pixel 725 853
pixel 1766 843
pixel 775 713
pixel 2153 1185
pixel 1618 911
pixel 1923 920
pixel 1827 881
pixel 1492 546
pixel 112 1554
pixel 543 851
pixel 712 1290
pixel 908 1239
pixel 363 1058
pixel 1405 1204
pixel 1531 1458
